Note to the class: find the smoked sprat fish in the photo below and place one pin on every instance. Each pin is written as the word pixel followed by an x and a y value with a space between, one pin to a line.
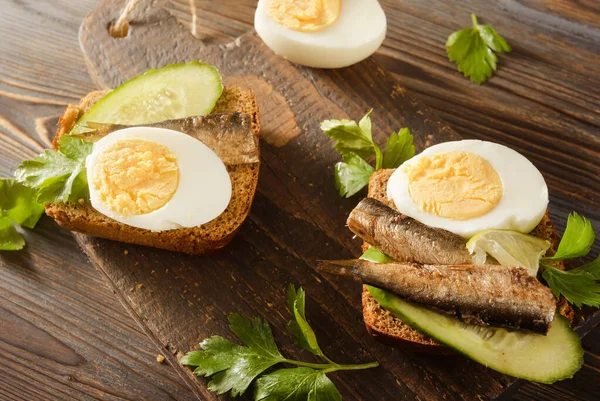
pixel 404 238
pixel 477 294
pixel 227 134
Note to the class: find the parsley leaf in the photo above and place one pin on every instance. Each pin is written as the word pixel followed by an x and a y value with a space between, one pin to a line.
pixel 296 384
pixel 577 239
pixel 18 205
pixel 10 239
pixel 591 270
pixel 366 125
pixel 472 49
pixel 304 335
pixel 398 149
pixel 577 286
pixel 353 138
pixel 355 144
pixel 256 334
pixel 352 174
pixel 58 176
pixel 233 367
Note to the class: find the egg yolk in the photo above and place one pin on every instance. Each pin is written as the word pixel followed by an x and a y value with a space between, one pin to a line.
pixel 135 176
pixel 304 15
pixel 455 185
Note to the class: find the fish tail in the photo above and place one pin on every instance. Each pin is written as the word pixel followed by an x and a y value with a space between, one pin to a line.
pixel 339 267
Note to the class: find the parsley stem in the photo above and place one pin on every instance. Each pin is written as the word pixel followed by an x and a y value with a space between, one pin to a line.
pixel 351 367
pixel 474 19
pixel 331 367
pixel 328 360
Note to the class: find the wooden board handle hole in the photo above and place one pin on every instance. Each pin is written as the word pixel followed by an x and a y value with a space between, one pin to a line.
pixel 120 28
pixel 118 31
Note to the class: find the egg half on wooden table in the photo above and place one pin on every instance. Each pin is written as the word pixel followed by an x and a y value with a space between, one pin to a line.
pixel 157 179
pixel 321 33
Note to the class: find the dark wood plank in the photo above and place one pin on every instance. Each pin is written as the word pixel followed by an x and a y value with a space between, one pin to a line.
pixel 556 47
pixel 546 112
pixel 543 94
pixel 311 95
pixel 286 225
pixel 63 334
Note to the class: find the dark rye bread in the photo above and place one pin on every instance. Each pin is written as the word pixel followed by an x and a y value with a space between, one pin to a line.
pixel 209 237
pixel 388 329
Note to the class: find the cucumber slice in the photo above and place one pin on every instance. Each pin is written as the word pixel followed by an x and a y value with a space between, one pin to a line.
pixel 175 91
pixel 534 357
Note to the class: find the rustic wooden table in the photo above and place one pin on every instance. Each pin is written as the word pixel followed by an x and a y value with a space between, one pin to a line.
pixel 63 335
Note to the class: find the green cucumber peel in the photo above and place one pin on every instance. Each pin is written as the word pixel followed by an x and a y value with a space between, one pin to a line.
pixel 534 357
pixel 172 92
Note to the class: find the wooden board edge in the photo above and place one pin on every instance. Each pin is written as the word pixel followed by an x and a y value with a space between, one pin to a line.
pixel 85 244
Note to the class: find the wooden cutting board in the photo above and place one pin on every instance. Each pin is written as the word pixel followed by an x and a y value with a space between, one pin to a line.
pixel 297 216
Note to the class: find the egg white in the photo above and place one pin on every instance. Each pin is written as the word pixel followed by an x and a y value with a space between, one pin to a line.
pixel 204 188
pixel 521 208
pixel 355 35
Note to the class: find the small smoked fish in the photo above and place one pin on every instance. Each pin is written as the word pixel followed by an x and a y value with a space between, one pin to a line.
pixel 229 135
pixel 478 294
pixel 404 238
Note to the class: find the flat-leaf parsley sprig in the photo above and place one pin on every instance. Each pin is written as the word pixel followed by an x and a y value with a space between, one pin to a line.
pixel 18 206
pixel 355 144
pixel 233 367
pixel 579 286
pixel 472 50
pixel 58 176
pixel 53 176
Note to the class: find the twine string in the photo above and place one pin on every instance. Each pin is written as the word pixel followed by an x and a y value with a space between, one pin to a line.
pixel 121 27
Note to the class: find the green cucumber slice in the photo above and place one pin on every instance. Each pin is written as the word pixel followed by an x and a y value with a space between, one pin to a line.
pixel 534 357
pixel 175 91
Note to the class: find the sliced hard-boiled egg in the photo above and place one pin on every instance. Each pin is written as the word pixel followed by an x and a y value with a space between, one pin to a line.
pixel 321 33
pixel 469 186
pixel 156 179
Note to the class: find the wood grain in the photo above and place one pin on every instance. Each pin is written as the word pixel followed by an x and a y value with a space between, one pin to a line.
pixel 312 95
pixel 289 167
pixel 63 334
pixel 543 102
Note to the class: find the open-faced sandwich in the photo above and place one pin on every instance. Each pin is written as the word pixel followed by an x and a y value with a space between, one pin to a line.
pixel 460 255
pixel 169 159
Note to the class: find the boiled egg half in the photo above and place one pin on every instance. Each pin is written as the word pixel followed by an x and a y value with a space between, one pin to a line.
pixel 469 186
pixel 156 179
pixel 321 33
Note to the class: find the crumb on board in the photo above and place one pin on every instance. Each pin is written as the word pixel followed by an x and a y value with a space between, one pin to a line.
pixel 139 286
pixel 125 252
pixel 160 358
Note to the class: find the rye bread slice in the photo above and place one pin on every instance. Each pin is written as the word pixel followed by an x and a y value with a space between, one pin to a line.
pixel 388 329
pixel 209 237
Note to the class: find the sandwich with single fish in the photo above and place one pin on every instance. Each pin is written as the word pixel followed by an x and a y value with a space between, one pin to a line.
pixel 169 159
